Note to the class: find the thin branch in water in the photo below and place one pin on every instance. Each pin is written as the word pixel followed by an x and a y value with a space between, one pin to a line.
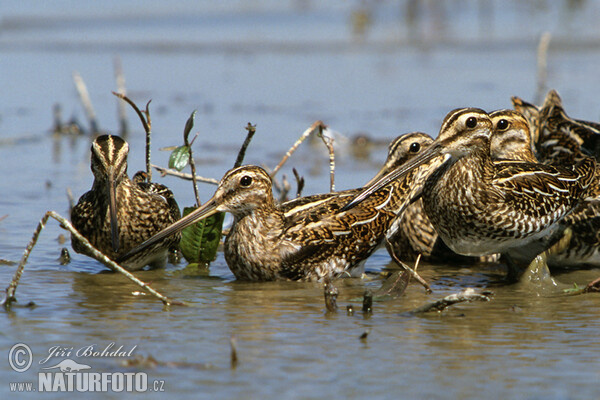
pixel 412 271
pixel 329 144
pixel 84 96
pixel 146 123
pixel 368 302
pixel 96 254
pixel 186 133
pixel 70 199
pixel 331 293
pixel 593 286
pixel 184 175
pixel 299 181
pixel 542 66
pixel 193 168
pixel 234 360
pixel 305 134
pixel 242 153
pixel 467 295
pixel 285 189
pixel 121 111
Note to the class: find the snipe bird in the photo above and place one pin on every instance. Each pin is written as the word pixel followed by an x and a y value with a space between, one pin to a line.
pixel 304 239
pixel 117 214
pixel 479 206
pixel 557 137
pixel 563 140
pixel 416 235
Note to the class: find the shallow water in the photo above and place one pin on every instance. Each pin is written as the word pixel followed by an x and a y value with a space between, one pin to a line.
pixel 282 66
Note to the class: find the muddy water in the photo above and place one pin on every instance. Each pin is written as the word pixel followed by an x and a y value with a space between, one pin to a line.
pixel 282 66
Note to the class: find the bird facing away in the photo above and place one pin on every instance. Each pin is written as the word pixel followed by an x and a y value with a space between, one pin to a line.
pixel 479 206
pixel 304 239
pixel 117 213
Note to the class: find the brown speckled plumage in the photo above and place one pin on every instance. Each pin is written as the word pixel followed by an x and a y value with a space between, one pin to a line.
pixel 480 206
pixel 304 239
pixel 141 209
pixel 563 140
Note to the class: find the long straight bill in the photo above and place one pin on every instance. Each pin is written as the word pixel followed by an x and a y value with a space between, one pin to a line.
pixel 112 204
pixel 432 152
pixel 204 211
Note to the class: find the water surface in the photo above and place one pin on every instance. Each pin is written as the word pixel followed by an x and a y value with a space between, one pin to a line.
pixel 282 66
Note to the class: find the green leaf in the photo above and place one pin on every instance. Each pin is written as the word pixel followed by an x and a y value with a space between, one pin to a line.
pixel 200 241
pixel 188 126
pixel 180 157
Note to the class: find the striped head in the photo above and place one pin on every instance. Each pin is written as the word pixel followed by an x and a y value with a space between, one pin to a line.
pixel 109 165
pixel 464 131
pixel 240 191
pixel 244 189
pixel 511 138
pixel 109 158
pixel 402 149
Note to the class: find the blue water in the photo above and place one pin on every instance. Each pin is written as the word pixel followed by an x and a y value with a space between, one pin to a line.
pixel 281 66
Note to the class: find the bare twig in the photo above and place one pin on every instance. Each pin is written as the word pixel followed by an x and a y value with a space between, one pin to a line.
pixel 242 153
pixel 593 286
pixel 368 302
pixel 193 168
pixel 316 125
pixel 467 295
pixel 120 80
pixel 413 272
pixel 299 181
pixel 84 96
pixel 542 66
pixel 184 175
pixel 329 144
pixel 70 199
pixel 284 188
pixel 234 356
pixel 96 254
pixel 330 293
pixel 186 142
pixel 146 123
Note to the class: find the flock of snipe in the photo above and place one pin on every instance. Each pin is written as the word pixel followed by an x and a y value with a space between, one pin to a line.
pixel 515 183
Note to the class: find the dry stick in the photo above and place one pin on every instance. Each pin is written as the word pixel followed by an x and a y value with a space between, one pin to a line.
pixel 305 134
pixel 120 80
pixel 147 124
pixel 329 144
pixel 467 295
pixel 299 182
pixel 412 271
pixel 184 175
pixel 84 96
pixel 70 199
pixel 331 293
pixel 242 153
pixel 592 286
pixel 285 189
pixel 96 254
pixel 542 66
pixel 193 167
pixel 233 355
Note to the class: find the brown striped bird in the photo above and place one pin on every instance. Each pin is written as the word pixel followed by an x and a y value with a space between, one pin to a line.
pixel 118 214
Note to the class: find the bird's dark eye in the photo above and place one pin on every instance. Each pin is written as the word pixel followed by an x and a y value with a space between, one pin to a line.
pixel 471 122
pixel 502 125
pixel 414 147
pixel 245 180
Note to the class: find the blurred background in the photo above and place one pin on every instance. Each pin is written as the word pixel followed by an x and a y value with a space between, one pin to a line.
pixel 370 70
